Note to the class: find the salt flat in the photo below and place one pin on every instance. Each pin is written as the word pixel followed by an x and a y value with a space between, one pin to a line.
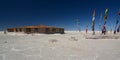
pixel 70 46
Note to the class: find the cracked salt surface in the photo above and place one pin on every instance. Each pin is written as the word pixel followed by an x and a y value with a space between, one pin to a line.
pixel 69 46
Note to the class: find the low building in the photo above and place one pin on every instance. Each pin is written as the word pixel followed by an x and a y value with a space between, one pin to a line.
pixel 37 29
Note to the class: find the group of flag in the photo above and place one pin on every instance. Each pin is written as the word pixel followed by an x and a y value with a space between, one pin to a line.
pixel 105 18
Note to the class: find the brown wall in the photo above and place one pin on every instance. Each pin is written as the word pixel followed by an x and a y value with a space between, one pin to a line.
pixel 37 30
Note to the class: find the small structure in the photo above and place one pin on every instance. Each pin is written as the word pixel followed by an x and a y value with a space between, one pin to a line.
pixel 37 29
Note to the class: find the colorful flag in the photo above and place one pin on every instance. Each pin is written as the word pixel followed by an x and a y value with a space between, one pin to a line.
pixel 106 11
pixel 117 21
pixel 93 18
pixel 92 23
pixel 93 29
pixel 119 12
pixel 86 27
pixel 105 15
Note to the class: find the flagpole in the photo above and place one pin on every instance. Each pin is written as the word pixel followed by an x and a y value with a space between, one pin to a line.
pixel 117 21
pixel 100 21
pixel 118 18
pixel 105 16
pixel 93 28
pixel 105 19
pixel 78 25
pixel 86 28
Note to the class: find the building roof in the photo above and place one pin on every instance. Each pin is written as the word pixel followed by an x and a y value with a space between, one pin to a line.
pixel 37 26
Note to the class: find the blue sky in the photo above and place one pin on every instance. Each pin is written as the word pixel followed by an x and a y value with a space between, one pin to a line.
pixel 59 13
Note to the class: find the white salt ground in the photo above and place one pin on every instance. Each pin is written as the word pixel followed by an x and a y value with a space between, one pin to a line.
pixel 70 46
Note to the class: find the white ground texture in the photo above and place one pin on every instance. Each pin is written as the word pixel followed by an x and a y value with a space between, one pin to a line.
pixel 70 46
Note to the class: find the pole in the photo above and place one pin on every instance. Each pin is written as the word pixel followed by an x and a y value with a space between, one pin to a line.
pixel 78 25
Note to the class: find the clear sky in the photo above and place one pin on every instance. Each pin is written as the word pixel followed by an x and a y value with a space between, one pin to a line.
pixel 59 13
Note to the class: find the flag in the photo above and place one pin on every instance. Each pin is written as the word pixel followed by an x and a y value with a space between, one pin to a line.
pixel 106 11
pixel 105 15
pixel 119 12
pixel 92 23
pixel 93 16
pixel 93 20
pixel 117 21
pixel 94 13
pixel 86 28
pixel 100 17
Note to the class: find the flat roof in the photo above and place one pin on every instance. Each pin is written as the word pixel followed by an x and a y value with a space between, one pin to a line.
pixel 38 26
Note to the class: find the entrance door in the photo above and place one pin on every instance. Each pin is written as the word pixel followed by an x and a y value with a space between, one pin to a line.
pixel 28 30
pixel 47 30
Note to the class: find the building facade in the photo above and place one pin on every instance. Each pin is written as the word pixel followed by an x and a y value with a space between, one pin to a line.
pixel 37 29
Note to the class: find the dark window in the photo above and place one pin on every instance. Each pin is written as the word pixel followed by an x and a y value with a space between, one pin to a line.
pixel 39 29
pixel 36 30
pixel 20 29
pixel 16 30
